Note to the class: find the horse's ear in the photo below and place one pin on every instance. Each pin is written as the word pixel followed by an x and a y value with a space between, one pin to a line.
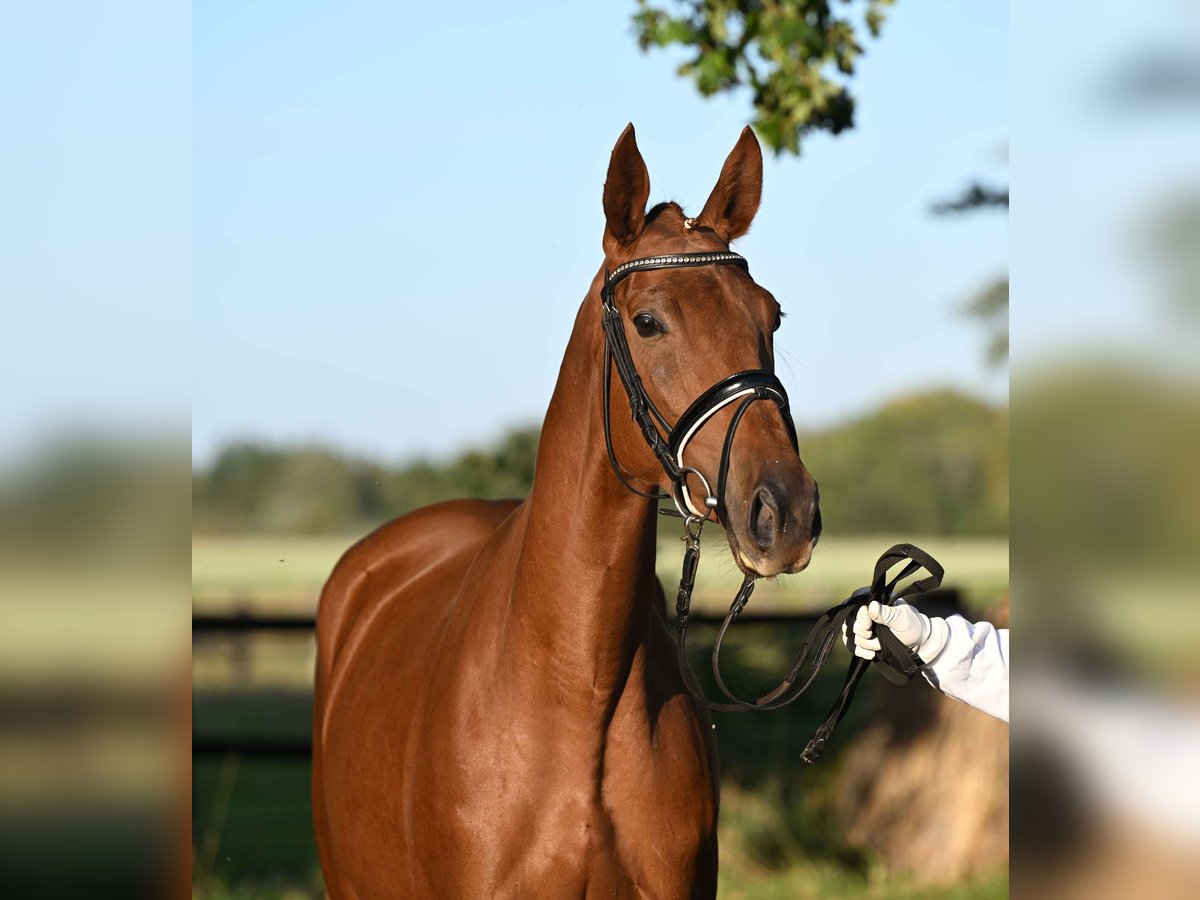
pixel 734 201
pixel 626 190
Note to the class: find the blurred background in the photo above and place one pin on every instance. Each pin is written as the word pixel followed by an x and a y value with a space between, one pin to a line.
pixel 95 375
pixel 339 191
pixel 1105 128
pixel 365 178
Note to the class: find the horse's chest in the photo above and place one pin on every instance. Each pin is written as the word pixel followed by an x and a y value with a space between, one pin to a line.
pixel 628 810
pixel 658 790
pixel 644 824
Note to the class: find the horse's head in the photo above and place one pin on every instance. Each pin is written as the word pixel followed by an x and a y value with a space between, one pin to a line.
pixel 690 328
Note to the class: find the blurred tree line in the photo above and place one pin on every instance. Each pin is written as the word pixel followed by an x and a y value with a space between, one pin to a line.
pixel 925 464
pixel 309 490
pixel 933 463
pixel 119 500
pixel 1105 456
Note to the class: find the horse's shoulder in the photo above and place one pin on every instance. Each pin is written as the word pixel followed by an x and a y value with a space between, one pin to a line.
pixel 398 553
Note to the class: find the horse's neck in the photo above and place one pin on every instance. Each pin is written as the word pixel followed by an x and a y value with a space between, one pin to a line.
pixel 585 579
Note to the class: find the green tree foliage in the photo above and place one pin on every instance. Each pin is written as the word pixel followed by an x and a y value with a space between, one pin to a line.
pixel 933 463
pixel 310 490
pixel 794 56
pixel 1105 458
pixel 928 464
pixel 1169 242
pixel 100 498
pixel 976 196
pixel 990 308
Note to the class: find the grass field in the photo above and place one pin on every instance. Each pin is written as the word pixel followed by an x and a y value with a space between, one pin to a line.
pixel 285 573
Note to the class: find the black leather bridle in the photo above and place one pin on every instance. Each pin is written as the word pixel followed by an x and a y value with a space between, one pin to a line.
pixel 669 443
pixel 748 386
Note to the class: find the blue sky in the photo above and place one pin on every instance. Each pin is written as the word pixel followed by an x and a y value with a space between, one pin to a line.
pixel 95 191
pixel 366 175
pixel 1088 175
pixel 340 189
pixel 283 216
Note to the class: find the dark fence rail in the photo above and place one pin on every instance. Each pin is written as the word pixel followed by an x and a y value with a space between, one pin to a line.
pixel 940 603
pixel 239 626
pixel 245 623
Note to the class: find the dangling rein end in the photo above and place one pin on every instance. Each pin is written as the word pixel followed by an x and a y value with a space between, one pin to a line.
pixel 815 747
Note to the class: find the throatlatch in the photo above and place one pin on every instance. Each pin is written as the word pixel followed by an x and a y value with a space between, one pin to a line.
pixel 669 444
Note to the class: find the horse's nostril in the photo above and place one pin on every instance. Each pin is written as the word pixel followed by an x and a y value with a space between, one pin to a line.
pixel 764 518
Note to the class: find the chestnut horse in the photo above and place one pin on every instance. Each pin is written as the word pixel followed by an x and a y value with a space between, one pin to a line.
pixel 499 711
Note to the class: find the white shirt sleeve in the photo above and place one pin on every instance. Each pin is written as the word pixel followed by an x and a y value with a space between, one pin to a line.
pixel 973 666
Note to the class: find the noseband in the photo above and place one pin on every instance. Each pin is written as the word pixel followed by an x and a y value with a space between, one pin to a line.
pixel 669 444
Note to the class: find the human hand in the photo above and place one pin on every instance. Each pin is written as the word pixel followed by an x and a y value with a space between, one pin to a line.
pixel 921 634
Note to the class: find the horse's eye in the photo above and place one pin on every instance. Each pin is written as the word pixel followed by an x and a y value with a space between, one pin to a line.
pixel 646 325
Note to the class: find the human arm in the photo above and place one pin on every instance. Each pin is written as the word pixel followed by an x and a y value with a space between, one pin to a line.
pixel 967 661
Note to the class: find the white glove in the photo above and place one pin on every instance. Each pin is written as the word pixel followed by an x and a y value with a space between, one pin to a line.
pixel 921 634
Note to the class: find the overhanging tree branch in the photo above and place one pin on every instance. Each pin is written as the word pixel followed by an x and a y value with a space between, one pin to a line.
pixel 796 57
